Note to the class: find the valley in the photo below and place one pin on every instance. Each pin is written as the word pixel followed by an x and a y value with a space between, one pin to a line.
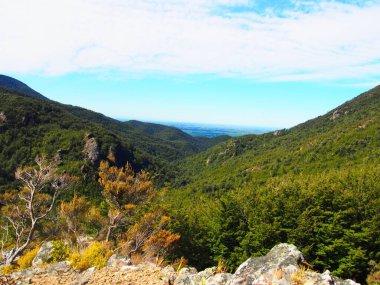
pixel 228 197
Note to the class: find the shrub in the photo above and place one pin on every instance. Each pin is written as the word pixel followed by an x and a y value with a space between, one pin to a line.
pixel 96 254
pixel 298 277
pixel 8 269
pixel 26 260
pixel 374 277
pixel 61 251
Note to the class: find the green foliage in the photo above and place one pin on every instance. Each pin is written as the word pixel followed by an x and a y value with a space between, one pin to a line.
pixel 61 251
pixel 315 185
pixel 36 125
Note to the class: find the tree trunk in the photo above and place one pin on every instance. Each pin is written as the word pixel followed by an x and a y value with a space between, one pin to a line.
pixel 108 233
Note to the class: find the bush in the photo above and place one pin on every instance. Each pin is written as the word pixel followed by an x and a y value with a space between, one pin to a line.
pixel 61 251
pixel 374 277
pixel 26 260
pixel 96 254
pixel 8 269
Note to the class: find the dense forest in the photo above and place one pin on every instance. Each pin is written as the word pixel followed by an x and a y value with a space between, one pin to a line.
pixel 315 185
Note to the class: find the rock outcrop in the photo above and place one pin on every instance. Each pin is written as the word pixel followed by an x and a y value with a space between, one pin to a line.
pixel 118 260
pixel 43 255
pixel 283 265
pixel 91 149
pixel 3 118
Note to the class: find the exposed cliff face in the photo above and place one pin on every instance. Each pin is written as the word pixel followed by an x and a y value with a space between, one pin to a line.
pixel 91 149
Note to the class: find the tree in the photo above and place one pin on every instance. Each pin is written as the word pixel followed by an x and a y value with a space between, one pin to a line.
pixel 124 191
pixel 25 209
pixel 149 233
pixel 75 213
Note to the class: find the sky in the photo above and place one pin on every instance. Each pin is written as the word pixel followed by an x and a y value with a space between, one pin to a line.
pixel 232 62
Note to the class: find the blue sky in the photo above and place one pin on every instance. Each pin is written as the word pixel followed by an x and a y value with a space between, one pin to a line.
pixel 235 62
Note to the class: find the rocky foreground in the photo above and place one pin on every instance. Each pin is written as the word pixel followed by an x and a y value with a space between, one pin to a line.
pixel 283 265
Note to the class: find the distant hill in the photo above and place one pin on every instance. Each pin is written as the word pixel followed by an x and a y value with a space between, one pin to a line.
pixel 32 124
pixel 174 134
pixel 347 134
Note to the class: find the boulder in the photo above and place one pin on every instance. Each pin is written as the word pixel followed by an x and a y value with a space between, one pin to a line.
pixel 186 276
pixel 283 265
pixel 52 269
pixel 89 271
pixel 190 276
pixel 43 255
pixel 277 266
pixel 118 260
pixel 187 271
pixel 168 274
pixel 219 279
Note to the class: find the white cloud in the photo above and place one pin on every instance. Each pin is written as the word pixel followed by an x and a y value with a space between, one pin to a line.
pixel 329 41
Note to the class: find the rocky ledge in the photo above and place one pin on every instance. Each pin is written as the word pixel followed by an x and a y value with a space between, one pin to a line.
pixel 283 265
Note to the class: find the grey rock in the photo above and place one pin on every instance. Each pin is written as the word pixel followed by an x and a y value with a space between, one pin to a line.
pixel 129 268
pixel 53 269
pixel 117 260
pixel 219 279
pixel 26 273
pixel 168 274
pixel 25 281
pixel 148 265
pixel 282 266
pixel 207 273
pixel 336 114
pixel 185 279
pixel 89 271
pixel 168 270
pixel 3 118
pixel 57 268
pixel 189 276
pixel 81 281
pixel 338 281
pixel 277 266
pixel 91 149
pixel 43 255
pixel 188 270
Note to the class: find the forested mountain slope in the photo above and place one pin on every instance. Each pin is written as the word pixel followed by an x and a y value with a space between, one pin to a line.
pixel 316 185
pixel 31 124
pixel 17 86
pixel 347 135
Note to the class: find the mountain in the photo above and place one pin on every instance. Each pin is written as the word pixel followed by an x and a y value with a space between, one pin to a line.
pixel 17 86
pixel 31 124
pixel 316 185
pixel 175 135
pixel 346 135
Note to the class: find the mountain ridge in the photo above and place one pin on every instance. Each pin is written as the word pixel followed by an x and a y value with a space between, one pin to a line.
pixel 14 85
pixel 33 122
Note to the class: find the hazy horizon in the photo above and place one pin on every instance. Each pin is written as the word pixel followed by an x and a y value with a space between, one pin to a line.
pixel 272 64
